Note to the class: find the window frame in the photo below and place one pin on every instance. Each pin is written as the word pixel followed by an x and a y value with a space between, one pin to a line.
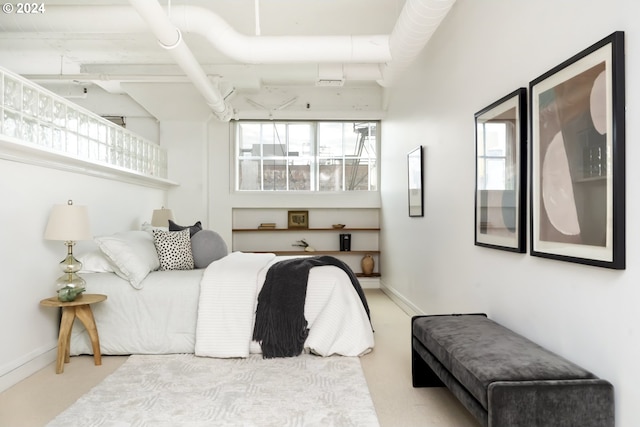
pixel 315 158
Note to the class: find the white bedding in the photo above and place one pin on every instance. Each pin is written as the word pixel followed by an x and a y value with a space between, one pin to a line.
pixel 160 318
pixel 228 294
pixel 337 320
pixel 163 316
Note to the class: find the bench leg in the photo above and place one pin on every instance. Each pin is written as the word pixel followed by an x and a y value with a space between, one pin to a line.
pixel 421 374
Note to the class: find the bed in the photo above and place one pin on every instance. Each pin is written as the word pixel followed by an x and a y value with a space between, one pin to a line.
pixel 209 311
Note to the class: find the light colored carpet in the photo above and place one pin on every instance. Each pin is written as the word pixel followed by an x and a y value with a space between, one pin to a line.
pixel 184 390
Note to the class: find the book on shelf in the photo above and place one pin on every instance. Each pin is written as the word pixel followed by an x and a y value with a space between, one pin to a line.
pixel 267 225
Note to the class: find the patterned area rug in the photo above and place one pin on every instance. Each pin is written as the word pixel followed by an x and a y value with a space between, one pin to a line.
pixel 184 390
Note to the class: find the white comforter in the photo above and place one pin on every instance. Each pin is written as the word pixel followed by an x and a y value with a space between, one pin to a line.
pixel 337 320
pixel 211 312
pixel 159 318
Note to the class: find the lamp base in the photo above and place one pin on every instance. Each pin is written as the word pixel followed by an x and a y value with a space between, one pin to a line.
pixel 70 285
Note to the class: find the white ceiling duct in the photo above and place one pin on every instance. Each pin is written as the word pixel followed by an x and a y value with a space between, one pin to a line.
pixel 202 21
pixel 393 53
pixel 280 49
pixel 170 38
pixel 418 21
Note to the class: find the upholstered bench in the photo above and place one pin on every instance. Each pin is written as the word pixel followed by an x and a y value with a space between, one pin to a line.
pixel 504 379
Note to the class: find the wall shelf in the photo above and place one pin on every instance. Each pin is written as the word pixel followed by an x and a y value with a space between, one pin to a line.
pixel 320 252
pixel 240 230
pixel 363 225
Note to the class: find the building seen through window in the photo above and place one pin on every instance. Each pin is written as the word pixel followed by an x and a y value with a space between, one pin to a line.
pixel 330 156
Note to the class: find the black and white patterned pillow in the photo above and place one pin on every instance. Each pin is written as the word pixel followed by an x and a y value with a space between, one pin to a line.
pixel 174 249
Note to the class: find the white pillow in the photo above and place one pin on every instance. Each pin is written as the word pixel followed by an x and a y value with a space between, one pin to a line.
pixel 95 262
pixel 132 252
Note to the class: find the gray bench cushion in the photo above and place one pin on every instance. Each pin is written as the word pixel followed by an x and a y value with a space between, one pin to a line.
pixel 478 351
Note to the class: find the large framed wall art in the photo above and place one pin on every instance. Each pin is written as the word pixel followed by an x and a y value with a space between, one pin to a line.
pixel 577 158
pixel 501 152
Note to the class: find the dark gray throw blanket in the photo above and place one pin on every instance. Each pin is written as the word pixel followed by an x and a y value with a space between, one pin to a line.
pixel 281 327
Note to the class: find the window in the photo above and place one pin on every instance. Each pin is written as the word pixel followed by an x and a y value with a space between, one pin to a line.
pixel 306 156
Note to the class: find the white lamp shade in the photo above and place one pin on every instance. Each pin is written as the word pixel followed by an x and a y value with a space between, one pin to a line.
pixel 161 217
pixel 69 223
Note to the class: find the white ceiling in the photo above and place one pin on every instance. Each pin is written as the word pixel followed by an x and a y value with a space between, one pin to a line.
pixel 66 49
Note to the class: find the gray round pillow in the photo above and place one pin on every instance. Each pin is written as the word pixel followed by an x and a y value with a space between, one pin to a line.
pixel 207 246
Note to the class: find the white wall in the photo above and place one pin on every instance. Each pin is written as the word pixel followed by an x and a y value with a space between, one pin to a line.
pixel 186 145
pixel 483 51
pixel 30 263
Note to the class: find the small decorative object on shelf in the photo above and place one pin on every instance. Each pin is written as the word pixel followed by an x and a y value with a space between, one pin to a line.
pixel 367 264
pixel 338 226
pixel 303 244
pixel 69 293
pixel 345 242
pixel 298 219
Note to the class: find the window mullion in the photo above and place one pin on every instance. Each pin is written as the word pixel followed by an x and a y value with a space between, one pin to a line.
pixel 287 171
pixel 314 159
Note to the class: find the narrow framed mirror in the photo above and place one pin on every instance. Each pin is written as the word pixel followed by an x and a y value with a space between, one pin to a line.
pixel 416 194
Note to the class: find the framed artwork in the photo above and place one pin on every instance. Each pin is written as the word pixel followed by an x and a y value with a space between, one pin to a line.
pixel 501 152
pixel 416 195
pixel 577 158
pixel 298 219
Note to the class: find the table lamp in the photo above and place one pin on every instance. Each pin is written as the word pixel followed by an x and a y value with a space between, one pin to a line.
pixel 161 217
pixel 69 223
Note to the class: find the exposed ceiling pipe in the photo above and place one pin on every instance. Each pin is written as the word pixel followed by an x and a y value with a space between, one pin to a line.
pixel 246 49
pixel 257 13
pixel 280 49
pixel 170 38
pixel 418 21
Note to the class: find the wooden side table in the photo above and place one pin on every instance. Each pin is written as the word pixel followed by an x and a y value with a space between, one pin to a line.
pixel 80 308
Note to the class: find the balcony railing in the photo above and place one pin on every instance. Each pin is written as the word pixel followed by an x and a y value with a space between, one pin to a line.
pixel 34 116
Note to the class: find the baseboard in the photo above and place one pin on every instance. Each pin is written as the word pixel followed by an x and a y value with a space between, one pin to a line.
pixel 26 366
pixel 400 300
